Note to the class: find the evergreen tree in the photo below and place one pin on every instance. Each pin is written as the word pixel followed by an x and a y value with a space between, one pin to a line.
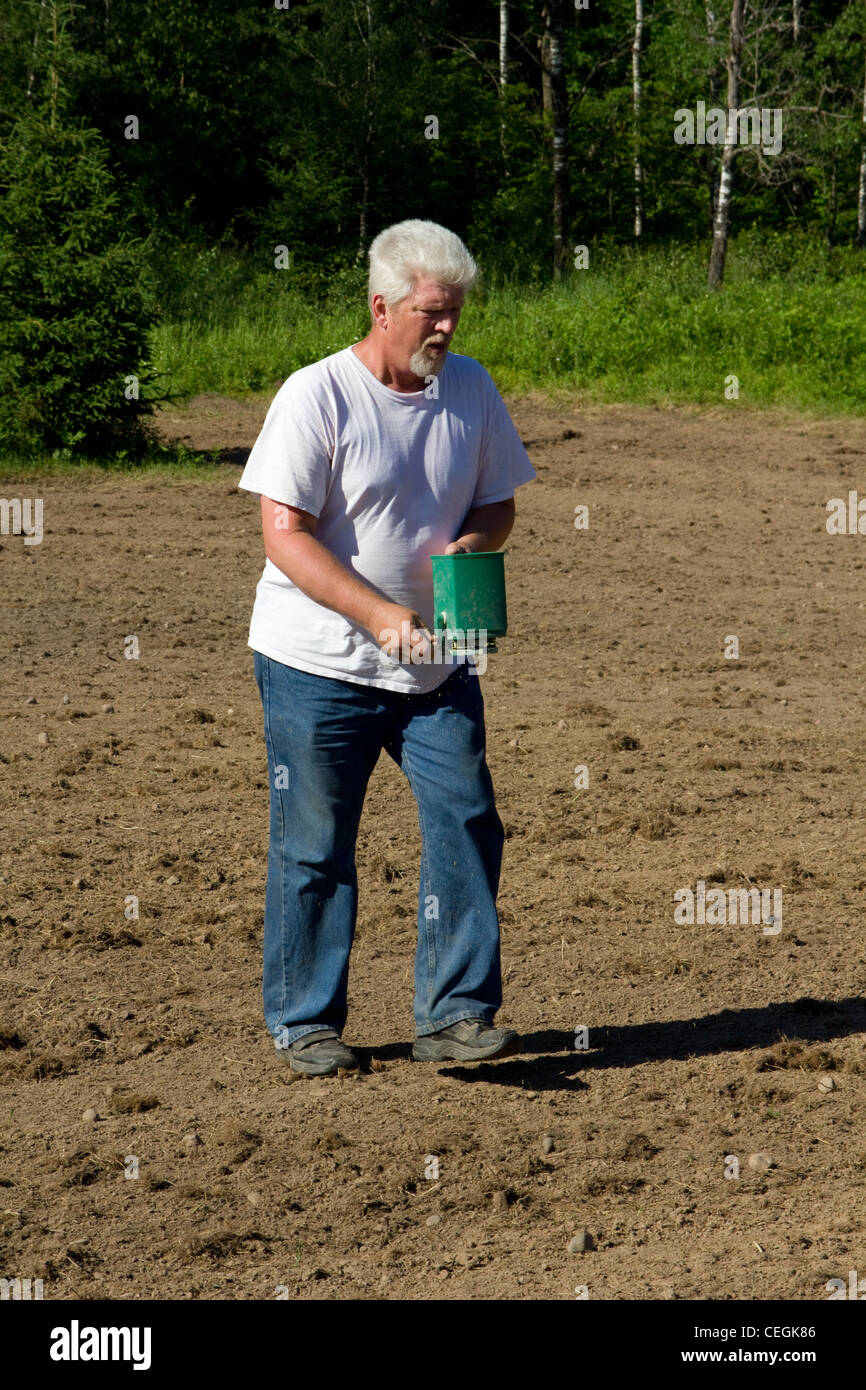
pixel 74 311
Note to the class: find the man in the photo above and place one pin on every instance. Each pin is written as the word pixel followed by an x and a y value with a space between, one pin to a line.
pixel 368 462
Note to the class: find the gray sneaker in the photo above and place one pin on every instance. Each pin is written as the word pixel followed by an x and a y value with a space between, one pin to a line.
pixel 470 1040
pixel 319 1054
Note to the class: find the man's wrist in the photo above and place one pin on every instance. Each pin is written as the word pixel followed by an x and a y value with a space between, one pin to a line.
pixel 371 617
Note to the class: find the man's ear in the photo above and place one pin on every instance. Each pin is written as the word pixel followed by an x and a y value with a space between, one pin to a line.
pixel 379 310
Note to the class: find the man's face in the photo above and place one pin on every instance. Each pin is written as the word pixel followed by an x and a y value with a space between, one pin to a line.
pixel 421 326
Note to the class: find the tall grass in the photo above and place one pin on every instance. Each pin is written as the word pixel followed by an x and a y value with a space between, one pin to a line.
pixel 637 326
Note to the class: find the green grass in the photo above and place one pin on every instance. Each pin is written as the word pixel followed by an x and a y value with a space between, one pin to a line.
pixel 159 461
pixel 637 327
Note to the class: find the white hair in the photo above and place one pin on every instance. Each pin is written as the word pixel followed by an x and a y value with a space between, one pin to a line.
pixel 417 247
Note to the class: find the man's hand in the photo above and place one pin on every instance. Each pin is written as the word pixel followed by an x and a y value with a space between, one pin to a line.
pixel 402 634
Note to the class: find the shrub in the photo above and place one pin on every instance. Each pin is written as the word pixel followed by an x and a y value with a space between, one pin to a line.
pixel 74 303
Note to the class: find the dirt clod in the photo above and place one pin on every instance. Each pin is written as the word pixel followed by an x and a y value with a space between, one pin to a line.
pixel 761 1162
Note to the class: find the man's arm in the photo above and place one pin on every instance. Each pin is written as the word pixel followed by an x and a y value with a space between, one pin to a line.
pixel 290 543
pixel 484 528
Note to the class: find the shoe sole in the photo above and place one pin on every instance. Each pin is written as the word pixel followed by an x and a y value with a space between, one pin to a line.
pixel 425 1050
pixel 310 1069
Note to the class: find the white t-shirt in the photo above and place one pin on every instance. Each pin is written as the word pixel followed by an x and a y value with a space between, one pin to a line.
pixel 391 476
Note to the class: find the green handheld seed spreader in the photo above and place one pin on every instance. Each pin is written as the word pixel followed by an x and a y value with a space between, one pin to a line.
pixel 469 597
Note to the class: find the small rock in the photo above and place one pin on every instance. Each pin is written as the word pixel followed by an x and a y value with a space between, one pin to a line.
pixel 190 1143
pixel 826 1084
pixel 548 1144
pixel 80 883
pixel 254 1199
pixel 42 738
pixel 107 709
pixel 31 700
pixel 433 1220
pixel 90 1116
pixel 230 710
pixel 514 743
pixel 561 726
pixel 174 879
pixel 531 1095
pixel 580 1241
pixel 500 1201
pixel 66 699
pixel 761 1163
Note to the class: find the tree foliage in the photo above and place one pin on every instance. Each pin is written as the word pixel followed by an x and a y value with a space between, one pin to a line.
pixel 252 125
pixel 74 315
pixel 75 307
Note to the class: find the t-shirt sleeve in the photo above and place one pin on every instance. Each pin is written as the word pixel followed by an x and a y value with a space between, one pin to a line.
pixel 291 459
pixel 504 463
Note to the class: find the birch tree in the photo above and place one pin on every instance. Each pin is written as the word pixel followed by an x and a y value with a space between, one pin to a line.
pixel 555 100
pixel 503 75
pixel 712 42
pixel 861 188
pixel 363 211
pixel 721 221
pixel 503 43
pixel 636 105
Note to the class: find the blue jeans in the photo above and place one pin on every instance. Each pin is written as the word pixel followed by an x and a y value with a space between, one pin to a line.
pixel 323 740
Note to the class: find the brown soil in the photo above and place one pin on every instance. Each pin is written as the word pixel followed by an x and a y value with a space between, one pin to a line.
pixel 704 1041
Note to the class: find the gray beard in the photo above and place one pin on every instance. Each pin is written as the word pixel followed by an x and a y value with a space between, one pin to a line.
pixel 427 364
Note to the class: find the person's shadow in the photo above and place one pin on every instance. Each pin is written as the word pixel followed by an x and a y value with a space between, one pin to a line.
pixel 549 1061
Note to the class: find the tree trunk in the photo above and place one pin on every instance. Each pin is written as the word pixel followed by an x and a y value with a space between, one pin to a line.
pixel 32 74
pixel 368 137
pixel 722 219
pixel 555 100
pixel 833 203
pixel 636 96
pixel 546 91
pixel 714 95
pixel 503 42
pixel 52 67
pixel 503 75
pixel 861 191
